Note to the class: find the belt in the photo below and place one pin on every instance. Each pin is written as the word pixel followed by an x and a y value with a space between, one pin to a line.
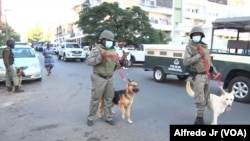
pixel 201 72
pixel 104 76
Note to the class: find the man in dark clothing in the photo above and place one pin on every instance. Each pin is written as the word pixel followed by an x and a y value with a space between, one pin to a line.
pixel 11 74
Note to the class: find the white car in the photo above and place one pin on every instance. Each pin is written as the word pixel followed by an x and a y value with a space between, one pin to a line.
pixel 25 58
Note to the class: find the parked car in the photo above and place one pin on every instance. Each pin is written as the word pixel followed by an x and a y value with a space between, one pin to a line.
pixel 39 46
pixel 25 58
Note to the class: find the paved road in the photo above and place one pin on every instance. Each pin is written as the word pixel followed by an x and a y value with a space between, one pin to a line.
pixel 56 108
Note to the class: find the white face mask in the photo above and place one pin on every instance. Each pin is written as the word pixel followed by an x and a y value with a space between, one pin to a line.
pixel 108 44
pixel 196 39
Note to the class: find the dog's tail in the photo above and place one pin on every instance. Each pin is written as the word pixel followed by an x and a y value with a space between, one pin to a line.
pixel 189 89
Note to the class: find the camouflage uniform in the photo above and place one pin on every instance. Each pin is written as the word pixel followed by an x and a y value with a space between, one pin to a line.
pixel 201 83
pixel 102 80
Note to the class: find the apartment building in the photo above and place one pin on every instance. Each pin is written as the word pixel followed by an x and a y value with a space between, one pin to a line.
pixel 175 17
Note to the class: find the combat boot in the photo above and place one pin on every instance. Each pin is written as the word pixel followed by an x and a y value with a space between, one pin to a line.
pixel 18 90
pixel 199 121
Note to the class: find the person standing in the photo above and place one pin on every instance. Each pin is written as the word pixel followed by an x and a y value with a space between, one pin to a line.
pixel 48 54
pixel 104 59
pixel 124 57
pixel 11 72
pixel 194 52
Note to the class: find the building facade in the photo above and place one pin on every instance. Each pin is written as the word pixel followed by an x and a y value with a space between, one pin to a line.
pixel 175 17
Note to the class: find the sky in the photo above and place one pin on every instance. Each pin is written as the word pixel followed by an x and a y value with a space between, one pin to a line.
pixel 23 15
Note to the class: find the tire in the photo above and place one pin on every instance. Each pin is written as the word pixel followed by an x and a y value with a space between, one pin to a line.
pixel 39 79
pixel 130 62
pixel 64 58
pixel 59 57
pixel 159 75
pixel 182 77
pixel 81 60
pixel 241 86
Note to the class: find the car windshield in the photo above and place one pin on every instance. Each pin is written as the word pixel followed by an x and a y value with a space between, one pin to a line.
pixel 72 46
pixel 23 53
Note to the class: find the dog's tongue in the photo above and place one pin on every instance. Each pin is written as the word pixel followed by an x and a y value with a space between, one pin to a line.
pixel 228 108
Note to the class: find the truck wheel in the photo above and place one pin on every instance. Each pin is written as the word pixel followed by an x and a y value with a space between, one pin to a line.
pixel 59 57
pixel 130 62
pixel 64 58
pixel 159 75
pixel 182 77
pixel 241 86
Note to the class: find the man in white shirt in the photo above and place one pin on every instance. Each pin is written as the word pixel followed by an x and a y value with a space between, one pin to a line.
pixel 123 53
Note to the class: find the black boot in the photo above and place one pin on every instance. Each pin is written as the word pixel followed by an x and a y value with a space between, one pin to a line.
pixel 199 121
pixel 18 90
pixel 9 89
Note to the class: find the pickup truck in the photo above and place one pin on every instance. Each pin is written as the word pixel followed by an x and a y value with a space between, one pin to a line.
pixel 71 51
pixel 234 61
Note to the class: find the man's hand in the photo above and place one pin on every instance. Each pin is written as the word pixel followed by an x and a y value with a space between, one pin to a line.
pixel 118 66
pixel 201 53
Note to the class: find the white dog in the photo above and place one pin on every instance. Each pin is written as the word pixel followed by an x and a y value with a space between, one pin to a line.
pixel 217 104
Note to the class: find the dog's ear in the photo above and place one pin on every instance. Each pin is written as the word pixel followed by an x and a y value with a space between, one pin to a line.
pixel 223 92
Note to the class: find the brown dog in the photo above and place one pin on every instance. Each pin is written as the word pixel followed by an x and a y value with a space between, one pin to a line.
pixel 123 99
pixel 20 73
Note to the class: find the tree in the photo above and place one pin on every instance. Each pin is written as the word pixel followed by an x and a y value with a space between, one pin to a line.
pixel 47 36
pixel 7 32
pixel 35 34
pixel 130 25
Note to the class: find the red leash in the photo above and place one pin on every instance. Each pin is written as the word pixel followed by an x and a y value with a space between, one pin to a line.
pixel 217 75
pixel 105 55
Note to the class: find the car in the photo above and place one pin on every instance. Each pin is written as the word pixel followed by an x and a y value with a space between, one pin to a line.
pixel 71 51
pixel 39 46
pixel 25 58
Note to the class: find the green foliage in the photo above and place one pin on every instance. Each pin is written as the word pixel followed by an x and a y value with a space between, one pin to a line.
pixel 129 25
pixel 7 32
pixel 35 34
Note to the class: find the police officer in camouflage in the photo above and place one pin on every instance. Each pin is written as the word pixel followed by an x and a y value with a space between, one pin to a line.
pixel 11 74
pixel 104 59
pixel 193 57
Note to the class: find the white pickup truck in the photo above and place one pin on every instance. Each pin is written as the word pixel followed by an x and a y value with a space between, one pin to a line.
pixel 71 51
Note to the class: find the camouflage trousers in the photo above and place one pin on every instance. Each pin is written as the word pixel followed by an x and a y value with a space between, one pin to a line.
pixel 202 92
pixel 11 76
